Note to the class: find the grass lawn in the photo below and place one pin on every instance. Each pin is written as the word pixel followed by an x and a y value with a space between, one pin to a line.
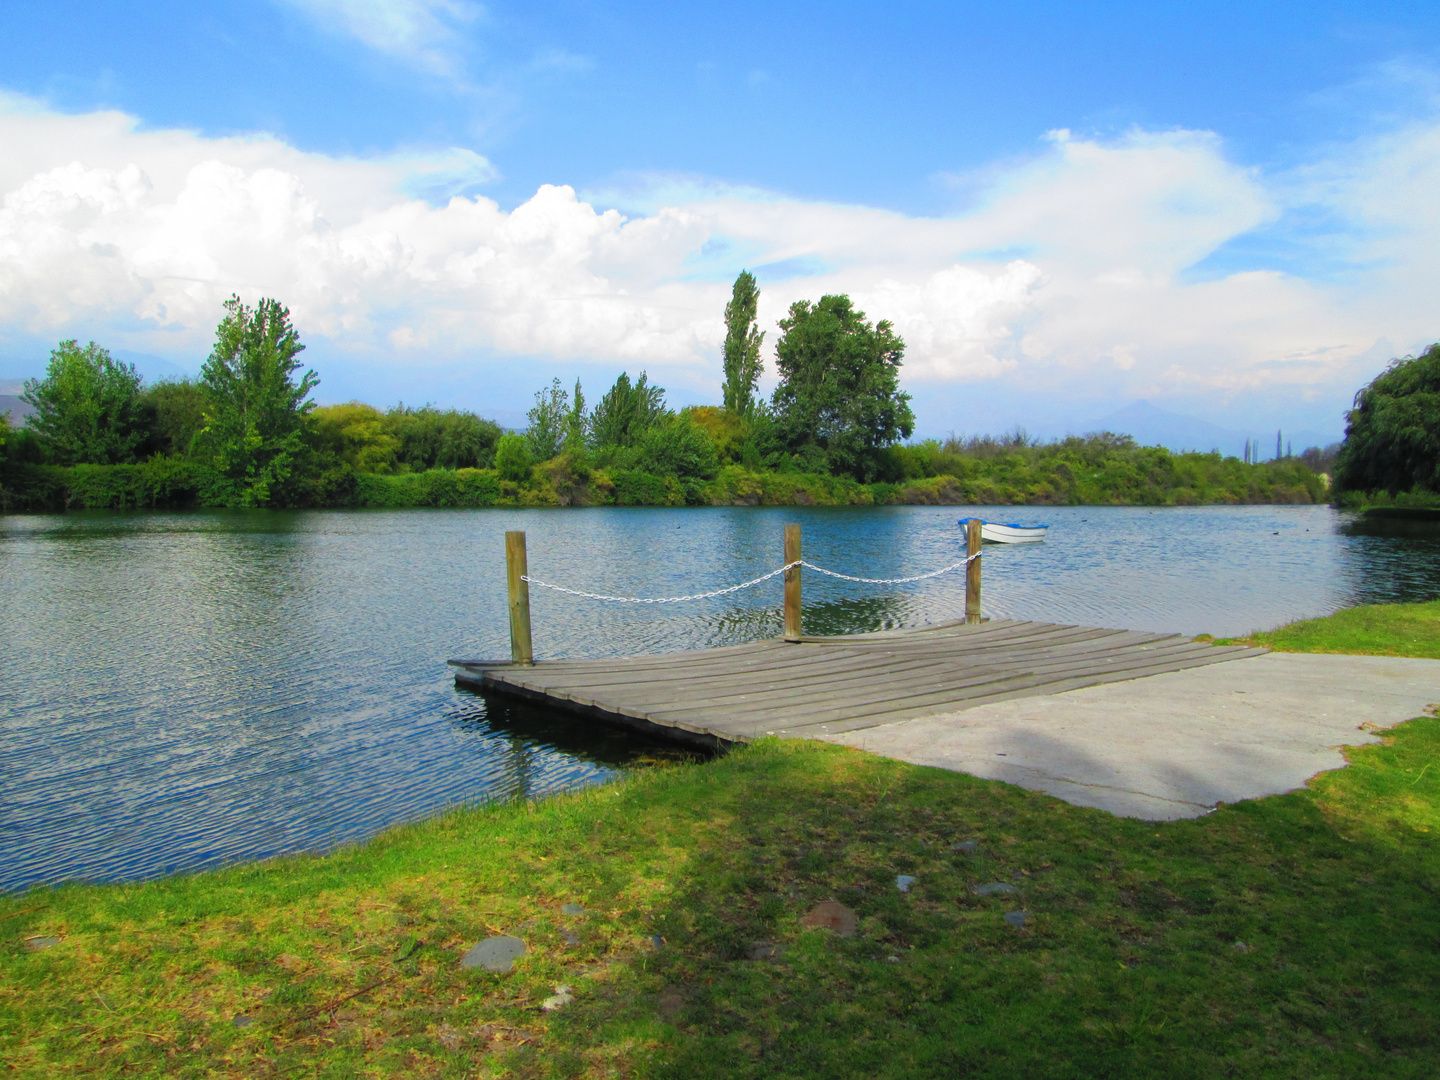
pixel 1292 936
pixel 1374 630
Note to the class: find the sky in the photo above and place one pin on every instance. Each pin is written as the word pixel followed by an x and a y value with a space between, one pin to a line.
pixel 1226 210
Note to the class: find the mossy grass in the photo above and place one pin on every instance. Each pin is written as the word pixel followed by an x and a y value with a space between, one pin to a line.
pixel 1288 936
pixel 1371 630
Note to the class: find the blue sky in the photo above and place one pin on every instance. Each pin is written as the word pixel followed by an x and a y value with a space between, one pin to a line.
pixel 1221 208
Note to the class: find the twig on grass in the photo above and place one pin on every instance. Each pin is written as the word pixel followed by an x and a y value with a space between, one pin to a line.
pixel 332 1006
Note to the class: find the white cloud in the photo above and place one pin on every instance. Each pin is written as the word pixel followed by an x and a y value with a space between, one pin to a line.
pixel 424 33
pixel 1068 278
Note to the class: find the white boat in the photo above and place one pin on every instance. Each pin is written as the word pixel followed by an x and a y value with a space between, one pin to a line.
pixel 996 533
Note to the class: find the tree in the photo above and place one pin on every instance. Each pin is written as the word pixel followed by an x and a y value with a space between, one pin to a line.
pixel 1392 438
pixel 356 435
pixel 678 446
pixel 626 412
pixel 512 458
pixel 87 408
pixel 839 397
pixel 577 422
pixel 175 410
pixel 548 421
pixel 743 338
pixel 434 439
pixel 256 411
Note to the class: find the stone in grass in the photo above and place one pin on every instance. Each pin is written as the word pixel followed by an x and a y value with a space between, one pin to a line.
pixel 828 915
pixel 903 882
pixel 243 1021
pixel 995 888
pixel 35 944
pixel 569 937
pixel 1017 919
pixel 561 997
pixel 965 847
pixel 494 954
pixel 572 909
pixel 763 950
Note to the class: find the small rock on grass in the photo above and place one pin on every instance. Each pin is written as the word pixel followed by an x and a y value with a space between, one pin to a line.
pixel 35 944
pixel 828 915
pixel 561 997
pixel 569 937
pixel 763 950
pixel 1017 919
pixel 965 847
pixel 243 1021
pixel 494 954
pixel 903 882
pixel 572 909
pixel 995 888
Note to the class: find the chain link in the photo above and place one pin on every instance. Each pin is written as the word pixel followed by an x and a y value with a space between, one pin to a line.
pixel 891 580
pixel 743 585
pixel 661 599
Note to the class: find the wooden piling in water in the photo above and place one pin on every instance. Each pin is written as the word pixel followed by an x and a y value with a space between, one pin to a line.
pixel 792 583
pixel 516 571
pixel 973 540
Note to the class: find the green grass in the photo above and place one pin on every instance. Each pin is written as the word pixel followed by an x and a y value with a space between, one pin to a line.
pixel 348 963
pixel 1372 630
pixel 1295 935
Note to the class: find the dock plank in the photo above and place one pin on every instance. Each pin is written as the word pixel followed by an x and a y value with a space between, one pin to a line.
pixel 832 684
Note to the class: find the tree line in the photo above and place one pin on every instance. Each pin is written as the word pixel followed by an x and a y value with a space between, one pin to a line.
pixel 247 432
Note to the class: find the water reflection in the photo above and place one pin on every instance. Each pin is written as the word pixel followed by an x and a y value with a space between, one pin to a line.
pixel 179 691
pixel 529 727
pixel 1392 559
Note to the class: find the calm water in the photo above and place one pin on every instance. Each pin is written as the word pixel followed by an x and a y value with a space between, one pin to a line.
pixel 181 691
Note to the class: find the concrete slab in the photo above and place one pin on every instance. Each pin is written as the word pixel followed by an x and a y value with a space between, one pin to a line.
pixel 1173 745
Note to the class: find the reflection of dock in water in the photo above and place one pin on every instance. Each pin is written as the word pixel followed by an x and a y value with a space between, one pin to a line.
pixel 825 685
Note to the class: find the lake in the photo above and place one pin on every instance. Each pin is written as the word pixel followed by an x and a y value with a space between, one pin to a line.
pixel 181 691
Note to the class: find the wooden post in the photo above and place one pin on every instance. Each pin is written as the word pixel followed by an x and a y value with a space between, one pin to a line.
pixel 792 583
pixel 972 570
pixel 515 571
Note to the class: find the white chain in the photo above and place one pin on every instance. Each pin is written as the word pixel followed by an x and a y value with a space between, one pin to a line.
pixel 891 580
pixel 743 585
pixel 660 599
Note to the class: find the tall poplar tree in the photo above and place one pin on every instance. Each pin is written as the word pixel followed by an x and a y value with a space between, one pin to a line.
pixel 743 338
pixel 256 409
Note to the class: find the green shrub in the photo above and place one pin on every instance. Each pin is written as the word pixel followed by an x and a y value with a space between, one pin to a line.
pixel 433 488
pixel 512 458
pixel 636 488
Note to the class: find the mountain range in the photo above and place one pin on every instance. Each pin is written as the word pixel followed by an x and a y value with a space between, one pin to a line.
pixel 1149 425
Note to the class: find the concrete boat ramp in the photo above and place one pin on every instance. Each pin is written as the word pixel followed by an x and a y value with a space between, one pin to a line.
pixel 1144 725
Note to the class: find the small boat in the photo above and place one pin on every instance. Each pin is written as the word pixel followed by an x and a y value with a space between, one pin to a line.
pixel 995 533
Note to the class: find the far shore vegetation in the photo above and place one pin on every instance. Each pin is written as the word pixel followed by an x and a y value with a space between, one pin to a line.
pixel 663 918
pixel 833 433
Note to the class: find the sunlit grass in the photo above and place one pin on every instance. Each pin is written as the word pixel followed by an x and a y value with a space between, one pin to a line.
pixel 1130 964
pixel 1374 629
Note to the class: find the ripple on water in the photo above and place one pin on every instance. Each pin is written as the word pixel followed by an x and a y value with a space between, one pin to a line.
pixel 186 690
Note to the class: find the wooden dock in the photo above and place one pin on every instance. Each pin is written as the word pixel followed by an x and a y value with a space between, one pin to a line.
pixel 833 684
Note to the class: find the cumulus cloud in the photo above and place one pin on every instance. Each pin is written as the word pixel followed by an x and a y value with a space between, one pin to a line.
pixel 1072 274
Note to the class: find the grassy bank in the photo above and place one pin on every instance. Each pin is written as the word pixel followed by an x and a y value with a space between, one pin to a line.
pixel 1288 936
pixel 1371 630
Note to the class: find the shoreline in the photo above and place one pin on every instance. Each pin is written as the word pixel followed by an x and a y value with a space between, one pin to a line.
pixel 673 904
